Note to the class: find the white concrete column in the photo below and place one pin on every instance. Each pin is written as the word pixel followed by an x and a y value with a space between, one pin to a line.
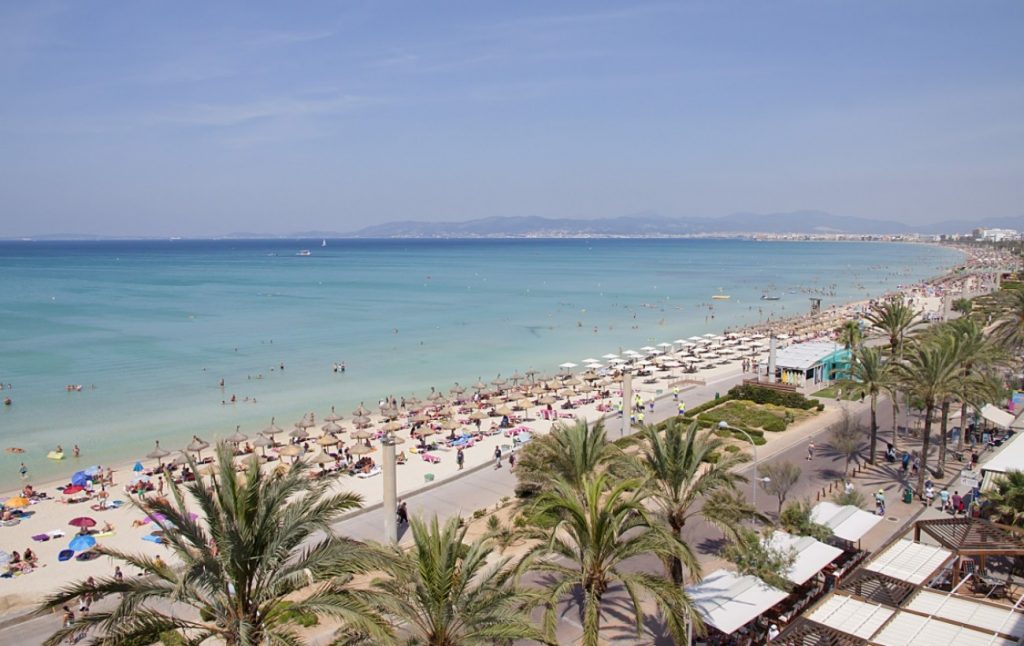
pixel 390 491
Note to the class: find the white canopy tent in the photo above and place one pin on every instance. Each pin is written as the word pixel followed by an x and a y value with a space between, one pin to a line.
pixel 1009 458
pixel 909 561
pixel 729 601
pixel 847 522
pixel 811 556
pixel 972 612
pixel 908 629
pixel 997 416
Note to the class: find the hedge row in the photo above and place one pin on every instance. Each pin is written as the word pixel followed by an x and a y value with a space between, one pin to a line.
pixel 760 395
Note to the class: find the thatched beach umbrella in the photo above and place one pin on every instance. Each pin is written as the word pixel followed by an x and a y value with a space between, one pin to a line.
pixel 272 430
pixel 361 421
pixel 197 445
pixel 333 417
pixel 361 434
pixel 547 399
pixel 426 432
pixel 478 414
pixel 504 410
pixel 361 449
pixel 306 422
pixel 479 385
pixel 327 440
pixel 393 425
pixel 158 454
pixel 331 428
pixel 291 450
pixel 456 389
pixel 361 411
pixel 498 381
pixel 237 437
pixel 323 457
pixel 298 433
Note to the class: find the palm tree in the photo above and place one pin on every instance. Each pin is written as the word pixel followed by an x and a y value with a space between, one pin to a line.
pixel 259 538
pixel 600 525
pixel 928 373
pixel 1007 499
pixel 873 376
pixel 893 318
pixel 679 471
pixel 978 356
pixel 1009 328
pixel 569 452
pixel 851 336
pixel 443 592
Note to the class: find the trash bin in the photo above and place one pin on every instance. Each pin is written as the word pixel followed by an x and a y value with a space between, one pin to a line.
pixel 908 495
pixel 716 395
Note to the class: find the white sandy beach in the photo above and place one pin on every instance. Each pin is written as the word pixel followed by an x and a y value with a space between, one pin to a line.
pixel 50 515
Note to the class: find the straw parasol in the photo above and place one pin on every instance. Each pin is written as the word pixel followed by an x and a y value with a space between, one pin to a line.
pixel 180 459
pixel 361 421
pixel 271 430
pixel 158 454
pixel 498 381
pixel 333 417
pixel 456 389
pixel 393 425
pixel 504 410
pixel 479 385
pixel 547 399
pixel 238 436
pixel 197 445
pixel 327 440
pixel 426 432
pixel 478 414
pixel 331 427
pixel 361 449
pixel 451 425
pixel 322 457
pixel 361 434
pixel 299 433
pixel 291 450
pixel 361 411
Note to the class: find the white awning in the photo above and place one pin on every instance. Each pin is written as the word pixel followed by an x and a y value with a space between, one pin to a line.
pixel 1009 458
pixel 849 523
pixel 728 601
pixel 997 416
pixel 811 555
pixel 909 561
pixel 803 356
pixel 851 616
pixel 972 612
pixel 907 629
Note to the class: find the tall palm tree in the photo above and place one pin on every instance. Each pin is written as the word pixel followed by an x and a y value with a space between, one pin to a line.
pixel 443 592
pixel 895 319
pixel 1009 328
pixel 873 376
pixel 601 525
pixel 928 373
pixel 569 452
pixel 259 538
pixel 678 472
pixel 978 356
pixel 851 336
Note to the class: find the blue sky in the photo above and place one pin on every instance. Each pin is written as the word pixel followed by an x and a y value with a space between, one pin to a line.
pixel 146 118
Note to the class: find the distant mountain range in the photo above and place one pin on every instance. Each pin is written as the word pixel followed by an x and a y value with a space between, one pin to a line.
pixel 640 224
pixel 651 224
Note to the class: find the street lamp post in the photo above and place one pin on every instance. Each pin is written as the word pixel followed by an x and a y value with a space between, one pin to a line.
pixel 390 487
pixel 725 426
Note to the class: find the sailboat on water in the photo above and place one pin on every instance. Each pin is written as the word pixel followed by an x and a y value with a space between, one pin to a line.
pixel 323 243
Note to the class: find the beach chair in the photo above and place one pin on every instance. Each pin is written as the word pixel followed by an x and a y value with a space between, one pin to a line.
pixel 373 472
pixel 429 457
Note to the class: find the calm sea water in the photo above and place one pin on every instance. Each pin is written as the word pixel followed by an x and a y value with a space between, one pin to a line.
pixel 149 328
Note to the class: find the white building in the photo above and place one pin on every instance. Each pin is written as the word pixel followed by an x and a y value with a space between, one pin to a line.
pixel 996 235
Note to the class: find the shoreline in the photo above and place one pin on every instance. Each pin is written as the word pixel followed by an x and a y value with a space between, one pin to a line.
pixel 412 476
pixel 836 310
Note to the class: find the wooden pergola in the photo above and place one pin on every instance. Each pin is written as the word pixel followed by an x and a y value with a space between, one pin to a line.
pixel 877 587
pixel 973 538
pixel 804 632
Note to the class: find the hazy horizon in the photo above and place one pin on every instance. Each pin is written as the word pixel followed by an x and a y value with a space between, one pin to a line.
pixel 197 120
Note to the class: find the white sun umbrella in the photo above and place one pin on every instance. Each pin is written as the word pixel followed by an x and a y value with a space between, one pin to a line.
pixel 568 365
pixel 594 366
pixel 664 345
pixel 617 361
pixel 590 360
pixel 609 356
pixel 696 339
pixel 647 348
pixel 680 341
pixel 710 336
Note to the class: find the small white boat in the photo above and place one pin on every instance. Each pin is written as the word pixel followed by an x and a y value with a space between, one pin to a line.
pixel 323 243
pixel 305 252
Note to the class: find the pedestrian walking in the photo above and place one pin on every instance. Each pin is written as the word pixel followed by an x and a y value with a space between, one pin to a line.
pixel 675 393
pixel 497 457
pixel 460 459
pixel 402 513
pixel 944 499
pixel 810 450
pixel 957 503
pixel 511 461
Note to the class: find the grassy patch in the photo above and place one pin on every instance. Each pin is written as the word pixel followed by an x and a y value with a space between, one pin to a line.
pixel 850 391
pixel 748 415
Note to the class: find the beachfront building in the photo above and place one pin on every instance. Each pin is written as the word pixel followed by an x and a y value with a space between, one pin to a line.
pixel 813 362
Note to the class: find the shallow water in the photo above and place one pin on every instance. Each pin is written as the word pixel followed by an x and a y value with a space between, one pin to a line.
pixel 149 327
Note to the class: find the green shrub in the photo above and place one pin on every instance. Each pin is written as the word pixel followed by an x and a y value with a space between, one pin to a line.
pixel 732 448
pixel 761 395
pixel 820 407
pixel 479 513
pixel 775 426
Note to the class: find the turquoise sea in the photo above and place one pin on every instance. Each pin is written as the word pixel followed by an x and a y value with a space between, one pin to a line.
pixel 150 327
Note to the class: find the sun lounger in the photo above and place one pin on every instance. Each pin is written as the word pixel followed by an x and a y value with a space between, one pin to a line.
pixel 431 458
pixel 374 471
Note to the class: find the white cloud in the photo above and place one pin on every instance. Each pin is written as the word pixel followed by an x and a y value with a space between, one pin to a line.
pixel 234 114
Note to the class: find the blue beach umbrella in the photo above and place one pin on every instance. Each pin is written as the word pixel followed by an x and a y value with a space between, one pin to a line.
pixel 93 471
pixel 79 478
pixel 138 467
pixel 82 543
